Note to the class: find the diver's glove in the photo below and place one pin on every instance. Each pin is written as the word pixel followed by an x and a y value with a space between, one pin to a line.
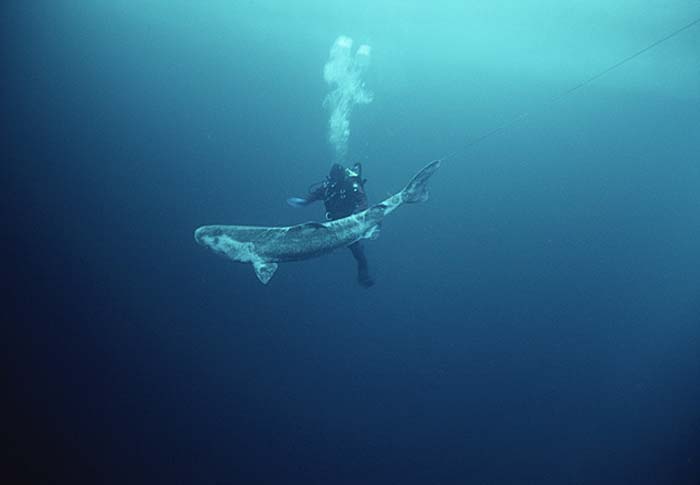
pixel 297 202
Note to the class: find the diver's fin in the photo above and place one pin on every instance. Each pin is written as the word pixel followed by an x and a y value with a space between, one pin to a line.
pixel 264 271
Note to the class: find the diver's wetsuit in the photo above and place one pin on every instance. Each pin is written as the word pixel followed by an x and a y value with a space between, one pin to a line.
pixel 343 194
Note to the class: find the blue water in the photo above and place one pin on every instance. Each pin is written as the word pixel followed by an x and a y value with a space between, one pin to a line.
pixel 537 321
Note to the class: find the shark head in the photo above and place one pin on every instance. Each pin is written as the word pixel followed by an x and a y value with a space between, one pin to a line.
pixel 220 241
pixel 216 239
pixel 203 235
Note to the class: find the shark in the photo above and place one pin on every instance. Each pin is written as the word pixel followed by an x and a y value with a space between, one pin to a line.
pixel 266 247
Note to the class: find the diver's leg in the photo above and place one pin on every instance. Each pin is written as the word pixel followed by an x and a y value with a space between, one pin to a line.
pixel 363 277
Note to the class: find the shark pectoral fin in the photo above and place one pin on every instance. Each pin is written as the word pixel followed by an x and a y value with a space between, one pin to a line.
pixel 264 271
pixel 373 232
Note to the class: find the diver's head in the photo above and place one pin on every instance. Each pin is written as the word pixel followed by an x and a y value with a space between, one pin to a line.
pixel 337 172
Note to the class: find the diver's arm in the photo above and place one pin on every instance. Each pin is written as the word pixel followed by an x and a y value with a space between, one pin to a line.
pixel 308 200
pixel 357 168
pixel 298 202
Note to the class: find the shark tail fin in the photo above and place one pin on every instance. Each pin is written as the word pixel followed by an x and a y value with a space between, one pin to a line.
pixel 417 189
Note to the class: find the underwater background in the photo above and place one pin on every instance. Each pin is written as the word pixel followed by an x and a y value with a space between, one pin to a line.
pixel 536 321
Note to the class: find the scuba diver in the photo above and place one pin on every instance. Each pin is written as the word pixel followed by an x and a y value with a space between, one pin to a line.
pixel 343 194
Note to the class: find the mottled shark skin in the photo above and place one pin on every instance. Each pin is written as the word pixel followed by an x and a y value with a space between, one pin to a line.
pixel 265 247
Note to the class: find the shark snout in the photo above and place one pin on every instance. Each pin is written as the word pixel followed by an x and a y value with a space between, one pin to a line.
pixel 199 234
pixel 206 234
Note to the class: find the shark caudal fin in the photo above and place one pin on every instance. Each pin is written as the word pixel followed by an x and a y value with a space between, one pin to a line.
pixel 417 188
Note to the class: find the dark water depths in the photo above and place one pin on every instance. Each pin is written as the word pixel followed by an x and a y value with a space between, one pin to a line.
pixel 537 321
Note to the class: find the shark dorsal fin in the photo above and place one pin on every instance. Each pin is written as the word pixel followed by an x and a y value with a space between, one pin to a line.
pixel 307 226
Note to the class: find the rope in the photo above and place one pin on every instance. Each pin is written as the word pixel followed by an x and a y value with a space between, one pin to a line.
pixel 568 92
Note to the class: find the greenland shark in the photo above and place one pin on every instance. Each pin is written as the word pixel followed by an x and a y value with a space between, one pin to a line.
pixel 265 247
